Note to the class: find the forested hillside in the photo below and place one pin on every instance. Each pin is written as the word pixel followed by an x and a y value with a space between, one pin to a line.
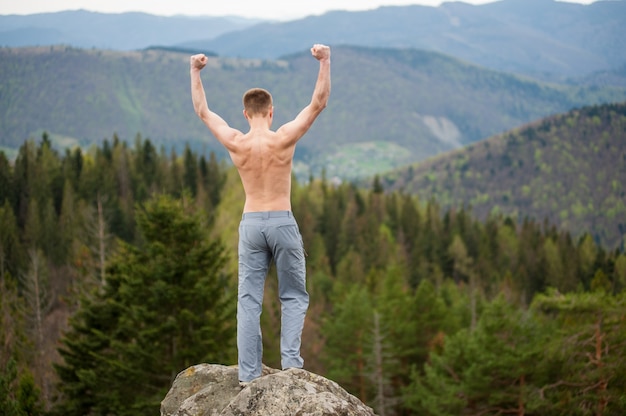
pixel 124 257
pixel 387 108
pixel 569 169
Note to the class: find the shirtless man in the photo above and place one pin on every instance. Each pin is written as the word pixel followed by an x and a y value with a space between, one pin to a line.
pixel 267 230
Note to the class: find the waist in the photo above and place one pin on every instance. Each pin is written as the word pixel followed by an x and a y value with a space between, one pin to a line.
pixel 266 215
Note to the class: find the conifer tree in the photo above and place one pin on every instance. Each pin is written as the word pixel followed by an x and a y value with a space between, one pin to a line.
pixel 23 177
pixel 330 224
pixel 10 245
pixel 585 361
pixel 620 272
pixel 19 396
pixel 484 371
pixel 7 191
pixel 379 365
pixel 190 171
pixel 213 178
pixel 12 334
pixel 166 306
pixel 38 301
pixel 348 340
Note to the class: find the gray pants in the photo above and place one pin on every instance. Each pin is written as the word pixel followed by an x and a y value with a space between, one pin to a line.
pixel 263 237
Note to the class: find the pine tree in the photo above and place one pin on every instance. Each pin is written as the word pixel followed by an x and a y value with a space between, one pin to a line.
pixel 18 394
pixel 12 332
pixel 381 366
pixel 485 371
pixel 585 361
pixel 166 306
pixel 348 332
pixel 38 301
pixel 23 174
pixel 68 221
pixel 190 171
pixel 7 191
pixel 10 244
pixel 620 272
pixel 213 177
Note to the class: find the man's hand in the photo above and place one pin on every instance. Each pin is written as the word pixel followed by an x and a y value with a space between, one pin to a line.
pixel 320 51
pixel 198 61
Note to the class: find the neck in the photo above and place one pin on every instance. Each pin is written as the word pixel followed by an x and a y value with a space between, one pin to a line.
pixel 260 123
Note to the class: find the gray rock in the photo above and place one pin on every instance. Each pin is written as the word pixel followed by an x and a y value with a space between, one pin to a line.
pixel 213 390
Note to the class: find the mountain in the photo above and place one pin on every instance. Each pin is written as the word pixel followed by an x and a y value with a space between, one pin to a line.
pixel 387 107
pixel 124 31
pixel 615 77
pixel 547 38
pixel 569 169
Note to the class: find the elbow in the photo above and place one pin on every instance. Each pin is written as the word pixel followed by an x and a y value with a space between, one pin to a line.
pixel 201 111
pixel 317 108
pixel 322 103
pixel 325 98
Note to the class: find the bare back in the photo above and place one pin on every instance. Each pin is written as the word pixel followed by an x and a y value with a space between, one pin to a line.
pixel 264 164
pixel 263 157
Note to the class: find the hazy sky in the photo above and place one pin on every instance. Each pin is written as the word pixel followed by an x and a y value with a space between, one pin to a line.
pixel 266 9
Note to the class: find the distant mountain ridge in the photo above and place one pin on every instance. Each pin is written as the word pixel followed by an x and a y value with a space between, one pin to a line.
pixel 123 31
pixel 388 107
pixel 547 38
pixel 569 169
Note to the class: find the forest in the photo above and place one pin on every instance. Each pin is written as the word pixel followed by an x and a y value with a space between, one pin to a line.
pixel 118 270
pixel 569 168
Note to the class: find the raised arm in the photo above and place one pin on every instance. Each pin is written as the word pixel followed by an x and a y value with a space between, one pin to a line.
pixel 218 126
pixel 295 129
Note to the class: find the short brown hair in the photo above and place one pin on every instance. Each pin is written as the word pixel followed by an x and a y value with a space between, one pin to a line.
pixel 257 101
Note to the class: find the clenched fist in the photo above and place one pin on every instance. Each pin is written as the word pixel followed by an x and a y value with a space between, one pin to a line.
pixel 198 61
pixel 320 51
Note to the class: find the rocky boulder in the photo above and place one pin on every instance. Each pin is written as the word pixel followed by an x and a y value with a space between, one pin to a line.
pixel 213 390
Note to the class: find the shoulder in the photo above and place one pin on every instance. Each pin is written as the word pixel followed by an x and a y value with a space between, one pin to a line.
pixel 231 139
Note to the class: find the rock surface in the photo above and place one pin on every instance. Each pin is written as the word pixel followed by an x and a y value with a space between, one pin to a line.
pixel 213 390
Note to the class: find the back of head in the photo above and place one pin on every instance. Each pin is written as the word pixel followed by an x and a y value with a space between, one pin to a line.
pixel 257 102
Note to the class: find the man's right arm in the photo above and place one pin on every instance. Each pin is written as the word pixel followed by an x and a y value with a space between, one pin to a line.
pixel 218 126
pixel 295 129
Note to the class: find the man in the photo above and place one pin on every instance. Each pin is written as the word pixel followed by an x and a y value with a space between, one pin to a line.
pixel 267 230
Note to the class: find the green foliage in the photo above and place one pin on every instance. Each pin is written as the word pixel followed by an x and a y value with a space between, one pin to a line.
pixel 565 168
pixel 564 356
pixel 396 282
pixel 585 358
pixel 165 306
pixel 482 371
pixel 69 208
pixel 11 253
pixel 348 339
pixel 18 394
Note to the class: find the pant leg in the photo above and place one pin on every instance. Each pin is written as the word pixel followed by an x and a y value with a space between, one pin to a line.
pixel 254 260
pixel 286 244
